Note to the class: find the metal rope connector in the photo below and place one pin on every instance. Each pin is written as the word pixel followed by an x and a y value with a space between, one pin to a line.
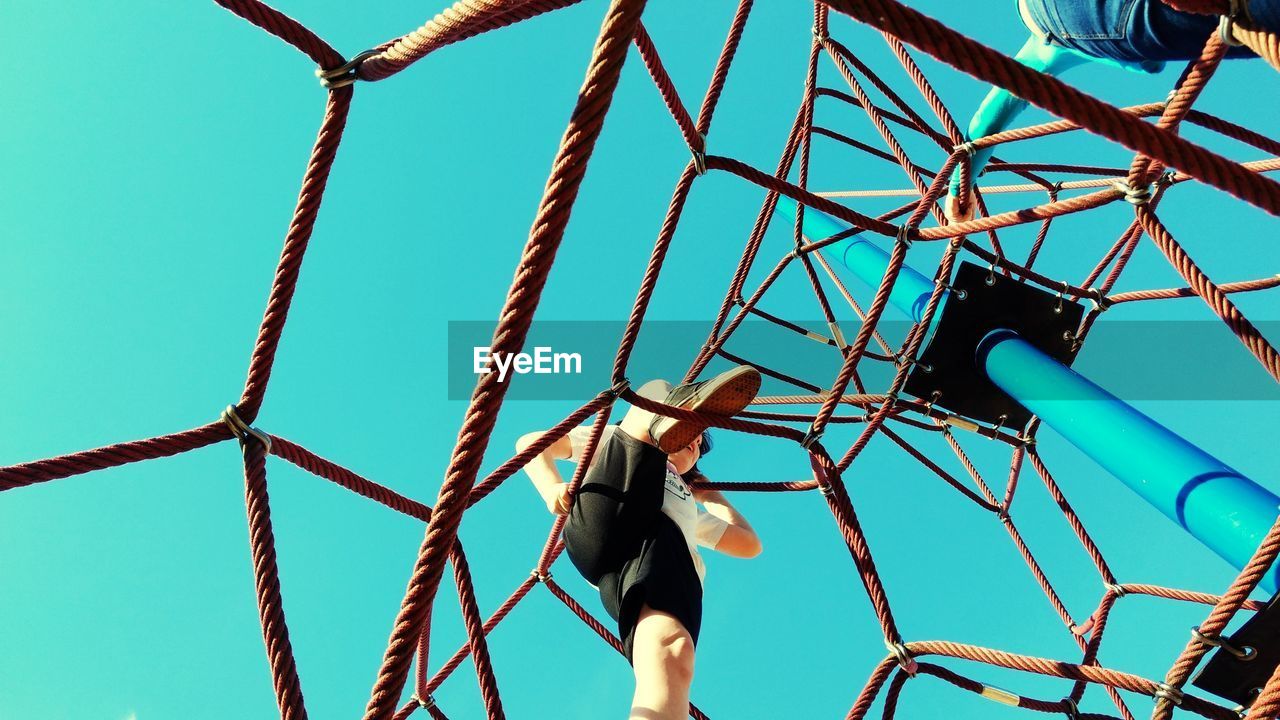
pixel 933 398
pixel 1074 341
pixel 1000 421
pixel 540 576
pixel 903 360
pixel 903 236
pixel 1072 710
pixel 700 156
pixel 821 35
pixel 905 661
pixel 957 293
pixel 618 388
pixel 1133 195
pixel 837 335
pixel 1246 654
pixel 959 422
pixel 968 148
pixel 427 704
pixel 346 73
pixel 243 430
pixel 810 438
pixel 1100 301
pixel 1227 23
pixel 1116 589
pixel 1165 691
pixel 1000 695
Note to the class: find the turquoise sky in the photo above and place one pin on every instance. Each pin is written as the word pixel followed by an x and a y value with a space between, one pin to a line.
pixel 150 156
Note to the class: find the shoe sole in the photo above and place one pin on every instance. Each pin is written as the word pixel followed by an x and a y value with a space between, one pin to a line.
pixel 725 395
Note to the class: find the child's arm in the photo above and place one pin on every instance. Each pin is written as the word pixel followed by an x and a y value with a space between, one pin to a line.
pixel 1000 108
pixel 542 471
pixel 739 538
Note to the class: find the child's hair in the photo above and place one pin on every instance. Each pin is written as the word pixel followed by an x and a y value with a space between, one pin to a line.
pixel 706 443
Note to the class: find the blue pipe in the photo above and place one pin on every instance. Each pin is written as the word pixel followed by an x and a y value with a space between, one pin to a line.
pixel 1226 511
pixel 1221 508
pixel 864 258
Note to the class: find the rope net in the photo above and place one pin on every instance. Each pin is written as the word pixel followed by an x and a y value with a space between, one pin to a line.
pixel 1156 146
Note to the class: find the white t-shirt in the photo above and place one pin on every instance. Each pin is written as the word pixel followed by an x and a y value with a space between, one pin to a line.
pixel 699 526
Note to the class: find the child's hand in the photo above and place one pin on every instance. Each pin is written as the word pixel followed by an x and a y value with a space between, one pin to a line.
pixel 955 213
pixel 558 503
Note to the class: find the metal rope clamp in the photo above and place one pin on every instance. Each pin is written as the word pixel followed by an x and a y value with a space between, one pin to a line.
pixel 243 430
pixel 1243 662
pixel 1165 691
pixel 957 293
pixel 1227 23
pixel 1100 301
pixel 1133 195
pixel 810 438
pixel 427 704
pixel 346 73
pixel 700 156
pixel 928 407
pixel 905 661
pixel 1072 710
pixel 903 237
pixel 908 361
pixel 616 391
pixel 1248 653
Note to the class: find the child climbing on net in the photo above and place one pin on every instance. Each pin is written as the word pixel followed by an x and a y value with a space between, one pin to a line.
pixel 634 527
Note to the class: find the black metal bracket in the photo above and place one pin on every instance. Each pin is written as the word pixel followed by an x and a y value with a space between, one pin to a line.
pixel 981 301
pixel 1243 662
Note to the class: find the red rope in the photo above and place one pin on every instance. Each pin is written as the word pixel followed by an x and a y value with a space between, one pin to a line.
pixel 275 633
pixel 295 246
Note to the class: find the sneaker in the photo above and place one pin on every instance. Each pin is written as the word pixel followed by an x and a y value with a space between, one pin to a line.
pixel 724 394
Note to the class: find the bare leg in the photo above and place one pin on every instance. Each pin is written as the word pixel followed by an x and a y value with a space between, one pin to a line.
pixel 662 656
pixel 637 420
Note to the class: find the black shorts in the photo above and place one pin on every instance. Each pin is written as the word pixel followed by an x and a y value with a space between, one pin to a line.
pixel 619 539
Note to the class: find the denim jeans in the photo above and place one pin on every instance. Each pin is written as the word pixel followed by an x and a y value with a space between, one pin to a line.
pixel 1133 31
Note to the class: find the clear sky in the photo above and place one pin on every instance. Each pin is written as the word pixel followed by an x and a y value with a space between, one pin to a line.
pixel 150 156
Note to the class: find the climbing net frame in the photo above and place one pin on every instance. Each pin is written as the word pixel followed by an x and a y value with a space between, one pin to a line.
pixel 1157 147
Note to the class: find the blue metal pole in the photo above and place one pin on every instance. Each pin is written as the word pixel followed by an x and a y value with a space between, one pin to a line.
pixel 866 259
pixel 1221 508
